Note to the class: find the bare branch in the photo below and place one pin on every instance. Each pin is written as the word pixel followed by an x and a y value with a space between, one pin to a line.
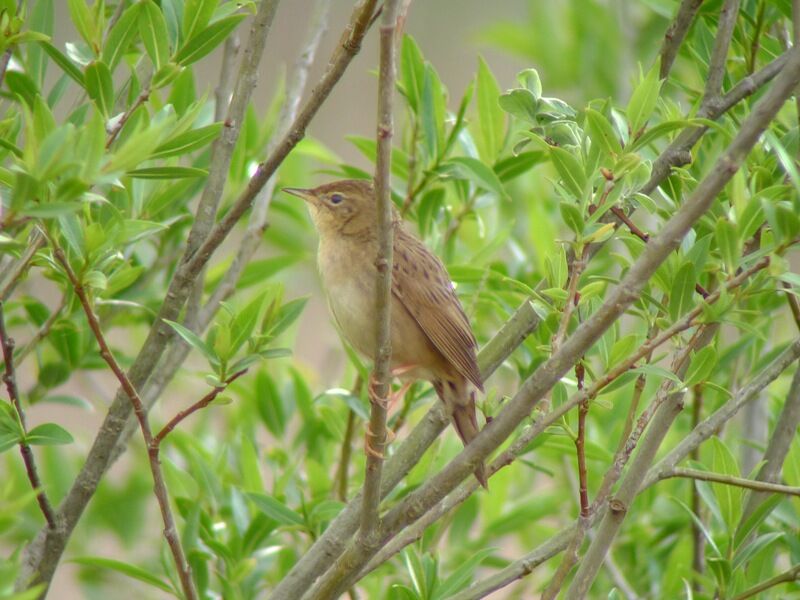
pixel 379 384
pixel 675 34
pixel 719 54
pixel 10 379
pixel 750 484
pixel 199 405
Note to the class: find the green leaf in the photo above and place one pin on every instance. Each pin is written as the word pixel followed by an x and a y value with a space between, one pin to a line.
pixel 62 61
pixel 100 86
pixel 287 315
pixel 275 510
pixel 167 172
pixel 701 366
pixel 206 40
pixel 521 104
pixel 412 72
pixel 48 434
pixel 651 134
pixel 572 216
pixel 153 31
pixel 461 577
pixel 428 116
pixel 656 371
pixel 728 497
pixel 243 324
pixel 682 297
pixel 196 15
pixel 132 571
pixel 121 35
pixel 84 22
pixel 491 120
pixel 570 170
pixel 188 141
pixel 728 242
pixel 643 100
pixel 194 341
pixel 602 133
pixel 478 173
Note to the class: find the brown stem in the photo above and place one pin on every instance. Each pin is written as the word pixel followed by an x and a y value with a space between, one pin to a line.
pixel 379 384
pixel 10 379
pixel 673 38
pixel 620 214
pixel 580 445
pixel 200 404
pixel 749 484
pixel 794 304
pixel 159 484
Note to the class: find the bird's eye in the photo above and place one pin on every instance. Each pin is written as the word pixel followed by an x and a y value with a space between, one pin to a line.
pixel 336 198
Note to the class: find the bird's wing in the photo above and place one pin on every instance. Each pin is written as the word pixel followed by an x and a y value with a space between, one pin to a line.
pixel 421 283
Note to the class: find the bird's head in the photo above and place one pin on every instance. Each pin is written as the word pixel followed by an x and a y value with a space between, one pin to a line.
pixel 344 207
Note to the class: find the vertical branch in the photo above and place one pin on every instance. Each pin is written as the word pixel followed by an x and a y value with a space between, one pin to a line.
pixel 379 384
pixel 159 484
pixel 719 54
pixel 342 469
pixel 10 379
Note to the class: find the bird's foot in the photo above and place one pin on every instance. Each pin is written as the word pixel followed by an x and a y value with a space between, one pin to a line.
pixel 392 397
pixel 369 436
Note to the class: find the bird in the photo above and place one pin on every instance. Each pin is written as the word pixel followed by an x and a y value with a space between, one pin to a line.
pixel 431 335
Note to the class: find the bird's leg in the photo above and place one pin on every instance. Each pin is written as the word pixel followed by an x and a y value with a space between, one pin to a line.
pixel 386 403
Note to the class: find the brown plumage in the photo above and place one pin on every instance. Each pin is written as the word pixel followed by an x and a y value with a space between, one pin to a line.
pixel 431 336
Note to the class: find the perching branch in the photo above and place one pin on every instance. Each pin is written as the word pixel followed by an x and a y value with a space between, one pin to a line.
pixel 786 577
pixel 380 380
pixel 10 379
pixel 159 484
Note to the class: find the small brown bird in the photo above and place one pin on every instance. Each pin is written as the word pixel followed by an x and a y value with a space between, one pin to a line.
pixel 431 335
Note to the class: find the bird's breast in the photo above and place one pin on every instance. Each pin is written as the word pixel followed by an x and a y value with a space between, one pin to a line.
pixel 349 282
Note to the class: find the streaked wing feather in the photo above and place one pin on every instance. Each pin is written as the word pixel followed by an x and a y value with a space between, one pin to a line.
pixel 421 283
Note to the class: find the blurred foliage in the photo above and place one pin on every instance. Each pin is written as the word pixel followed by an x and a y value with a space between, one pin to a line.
pixel 503 180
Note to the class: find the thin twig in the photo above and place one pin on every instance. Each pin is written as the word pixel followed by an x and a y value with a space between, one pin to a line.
pixel 199 405
pixel 159 484
pixel 43 331
pixel 750 484
pixel 794 303
pixel 673 38
pixel 698 538
pixel 120 123
pixel 10 379
pixel 380 379
pixel 719 53
pixel 14 273
pixel 580 446
pixel 634 229
pixel 786 577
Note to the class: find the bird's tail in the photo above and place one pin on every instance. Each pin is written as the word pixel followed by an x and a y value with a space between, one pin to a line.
pixel 459 401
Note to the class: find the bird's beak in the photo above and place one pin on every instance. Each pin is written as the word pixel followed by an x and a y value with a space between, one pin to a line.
pixel 307 195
